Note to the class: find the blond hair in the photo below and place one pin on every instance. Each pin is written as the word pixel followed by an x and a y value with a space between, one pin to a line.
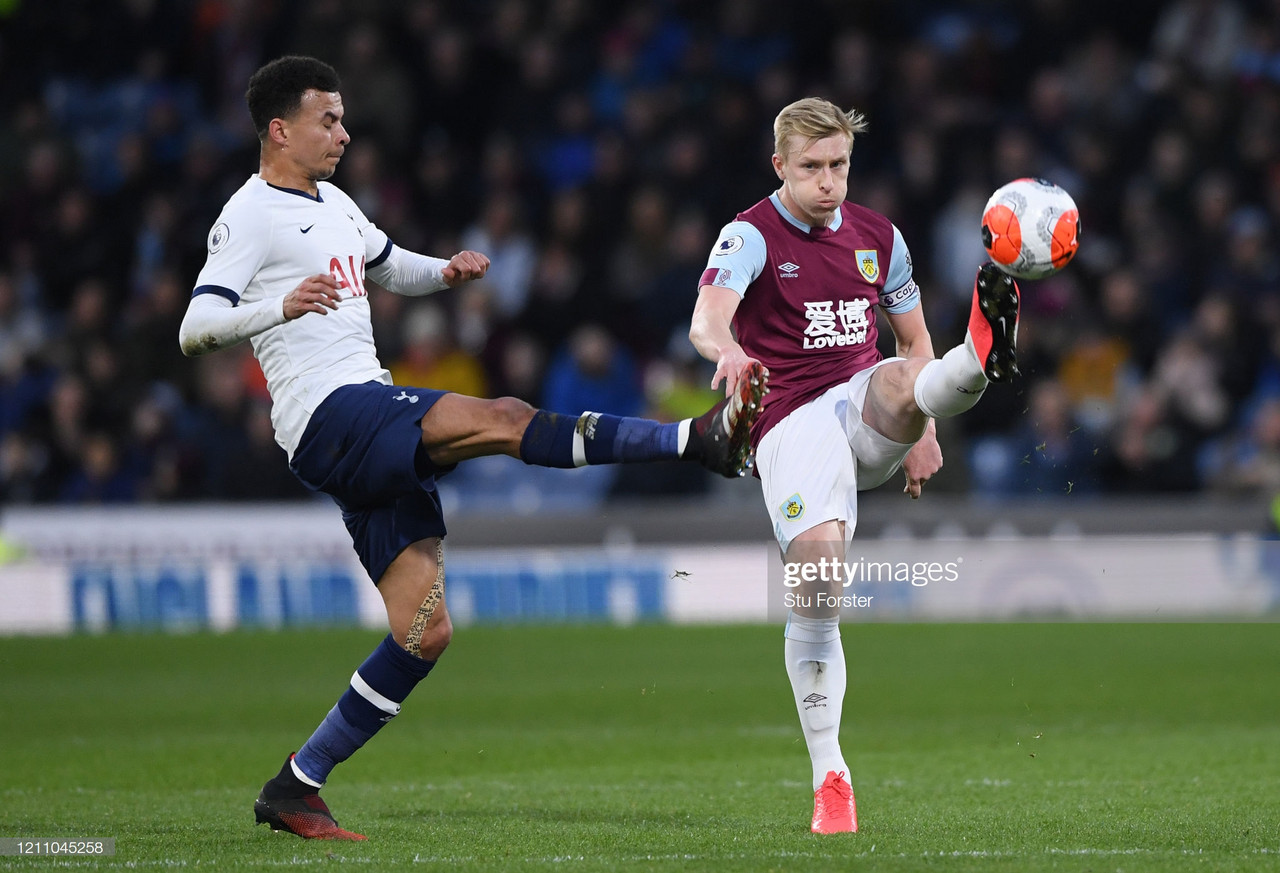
pixel 814 118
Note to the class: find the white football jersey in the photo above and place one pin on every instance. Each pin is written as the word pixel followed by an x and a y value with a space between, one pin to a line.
pixel 265 242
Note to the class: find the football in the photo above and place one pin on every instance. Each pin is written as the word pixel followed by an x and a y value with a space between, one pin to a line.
pixel 1031 228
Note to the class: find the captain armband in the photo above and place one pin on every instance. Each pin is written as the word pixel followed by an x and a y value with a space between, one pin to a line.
pixel 903 299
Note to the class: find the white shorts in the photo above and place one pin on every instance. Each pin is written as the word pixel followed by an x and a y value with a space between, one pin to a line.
pixel 814 462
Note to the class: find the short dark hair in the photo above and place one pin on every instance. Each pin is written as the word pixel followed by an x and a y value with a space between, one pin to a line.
pixel 276 90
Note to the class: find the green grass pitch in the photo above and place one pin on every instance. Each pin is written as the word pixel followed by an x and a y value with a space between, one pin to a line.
pixel 974 747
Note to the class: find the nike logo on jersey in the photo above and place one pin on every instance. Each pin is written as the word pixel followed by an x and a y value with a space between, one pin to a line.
pixel 307 228
pixel 412 398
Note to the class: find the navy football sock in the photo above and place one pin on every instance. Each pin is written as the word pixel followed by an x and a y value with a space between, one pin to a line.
pixel 548 440
pixel 554 440
pixel 286 784
pixel 372 699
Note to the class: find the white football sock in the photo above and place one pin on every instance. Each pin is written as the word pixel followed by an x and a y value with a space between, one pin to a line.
pixel 815 665
pixel 951 384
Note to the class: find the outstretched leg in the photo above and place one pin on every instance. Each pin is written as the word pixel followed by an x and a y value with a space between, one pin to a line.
pixel 904 394
pixel 458 428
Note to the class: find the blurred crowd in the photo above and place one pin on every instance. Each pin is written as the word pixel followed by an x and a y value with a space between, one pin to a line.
pixel 593 151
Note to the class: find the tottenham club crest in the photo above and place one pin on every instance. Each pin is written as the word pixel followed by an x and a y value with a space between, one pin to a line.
pixel 218 237
pixel 868 263
pixel 793 507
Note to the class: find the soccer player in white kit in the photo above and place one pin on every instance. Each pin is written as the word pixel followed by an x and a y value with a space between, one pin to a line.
pixel 794 284
pixel 286 269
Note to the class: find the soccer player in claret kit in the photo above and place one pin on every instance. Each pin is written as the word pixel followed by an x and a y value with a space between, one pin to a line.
pixel 287 264
pixel 798 278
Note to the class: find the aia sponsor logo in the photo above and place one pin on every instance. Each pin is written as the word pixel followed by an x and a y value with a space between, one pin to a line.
pixel 347 276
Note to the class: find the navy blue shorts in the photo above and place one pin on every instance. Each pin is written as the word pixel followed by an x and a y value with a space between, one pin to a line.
pixel 363 447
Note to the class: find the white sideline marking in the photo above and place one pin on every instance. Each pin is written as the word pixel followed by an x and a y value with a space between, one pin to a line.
pixel 1100 852
pixel 333 858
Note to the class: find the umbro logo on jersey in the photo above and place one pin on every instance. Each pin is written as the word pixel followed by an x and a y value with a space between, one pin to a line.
pixel 403 395
pixel 814 700
pixel 307 228
pixel 788 270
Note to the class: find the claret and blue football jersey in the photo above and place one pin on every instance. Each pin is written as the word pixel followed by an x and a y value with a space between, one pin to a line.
pixel 808 295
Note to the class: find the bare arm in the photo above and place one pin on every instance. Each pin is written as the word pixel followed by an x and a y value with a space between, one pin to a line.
pixel 910 333
pixel 913 341
pixel 711 333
